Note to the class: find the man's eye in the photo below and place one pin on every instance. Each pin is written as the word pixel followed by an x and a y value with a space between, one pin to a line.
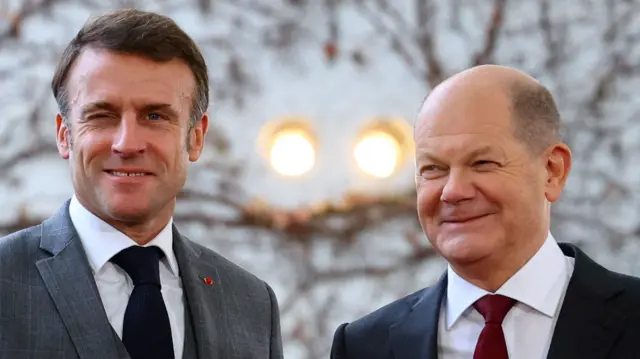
pixel 154 116
pixel 432 171
pixel 99 116
pixel 485 163
pixel 430 168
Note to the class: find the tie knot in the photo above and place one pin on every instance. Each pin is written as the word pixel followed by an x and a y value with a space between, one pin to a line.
pixel 140 263
pixel 494 308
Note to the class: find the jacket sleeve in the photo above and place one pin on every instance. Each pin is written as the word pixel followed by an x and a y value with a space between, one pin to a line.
pixel 339 346
pixel 276 334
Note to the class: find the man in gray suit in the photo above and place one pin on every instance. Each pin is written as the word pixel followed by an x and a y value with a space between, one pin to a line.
pixel 109 275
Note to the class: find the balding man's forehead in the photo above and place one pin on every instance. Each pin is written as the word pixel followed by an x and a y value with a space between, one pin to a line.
pixel 471 90
pixel 494 73
pixel 483 78
pixel 458 96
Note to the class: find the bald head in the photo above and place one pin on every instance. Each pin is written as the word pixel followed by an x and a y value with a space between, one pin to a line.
pixel 532 109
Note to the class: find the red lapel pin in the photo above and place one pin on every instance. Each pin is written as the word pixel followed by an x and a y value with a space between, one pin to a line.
pixel 207 280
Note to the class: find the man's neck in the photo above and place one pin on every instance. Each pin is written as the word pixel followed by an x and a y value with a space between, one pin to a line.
pixel 141 233
pixel 493 272
pixel 142 229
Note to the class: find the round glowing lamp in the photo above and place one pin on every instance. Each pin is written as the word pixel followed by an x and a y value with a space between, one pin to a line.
pixel 382 147
pixel 289 147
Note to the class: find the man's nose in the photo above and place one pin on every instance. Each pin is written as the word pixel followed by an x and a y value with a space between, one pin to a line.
pixel 459 187
pixel 128 140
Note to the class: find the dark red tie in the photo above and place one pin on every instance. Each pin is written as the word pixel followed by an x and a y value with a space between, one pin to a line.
pixel 491 343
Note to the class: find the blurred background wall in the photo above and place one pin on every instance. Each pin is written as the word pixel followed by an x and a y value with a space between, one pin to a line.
pixel 334 241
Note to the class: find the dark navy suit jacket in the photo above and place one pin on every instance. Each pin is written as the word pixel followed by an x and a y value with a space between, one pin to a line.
pixel 599 319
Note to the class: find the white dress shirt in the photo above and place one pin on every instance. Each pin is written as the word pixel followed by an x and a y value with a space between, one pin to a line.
pixel 101 241
pixel 538 287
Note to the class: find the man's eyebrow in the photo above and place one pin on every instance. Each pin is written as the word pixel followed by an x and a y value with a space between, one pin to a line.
pixel 164 107
pixel 483 150
pixel 480 151
pixel 426 156
pixel 103 105
pixel 100 105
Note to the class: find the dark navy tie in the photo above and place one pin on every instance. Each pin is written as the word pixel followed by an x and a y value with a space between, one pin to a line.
pixel 146 332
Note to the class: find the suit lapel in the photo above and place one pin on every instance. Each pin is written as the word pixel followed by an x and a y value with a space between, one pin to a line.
pixel 206 301
pixel 587 327
pixel 68 278
pixel 416 335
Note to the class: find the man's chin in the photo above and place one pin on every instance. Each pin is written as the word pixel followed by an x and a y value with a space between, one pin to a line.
pixel 464 249
pixel 131 210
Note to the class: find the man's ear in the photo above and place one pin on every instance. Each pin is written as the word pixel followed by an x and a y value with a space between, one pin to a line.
pixel 197 138
pixel 63 137
pixel 558 167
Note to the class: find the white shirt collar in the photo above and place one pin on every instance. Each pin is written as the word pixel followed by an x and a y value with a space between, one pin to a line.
pixel 101 241
pixel 534 285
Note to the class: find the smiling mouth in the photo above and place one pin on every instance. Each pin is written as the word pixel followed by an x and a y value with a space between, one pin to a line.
pixel 128 174
pixel 466 220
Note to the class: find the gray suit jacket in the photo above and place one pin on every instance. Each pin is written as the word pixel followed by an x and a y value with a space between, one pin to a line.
pixel 50 307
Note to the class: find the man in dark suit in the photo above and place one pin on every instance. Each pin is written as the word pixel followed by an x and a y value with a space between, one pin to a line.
pixel 109 275
pixel 489 163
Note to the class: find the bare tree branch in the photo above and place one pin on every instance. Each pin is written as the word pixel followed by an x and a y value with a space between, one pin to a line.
pixel 425 12
pixel 15 20
pixel 400 36
pixel 492 33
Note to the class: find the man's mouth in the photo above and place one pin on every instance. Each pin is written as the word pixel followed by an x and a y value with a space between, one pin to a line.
pixel 128 174
pixel 465 219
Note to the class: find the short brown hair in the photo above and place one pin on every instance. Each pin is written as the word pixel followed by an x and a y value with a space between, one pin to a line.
pixel 135 32
pixel 535 115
